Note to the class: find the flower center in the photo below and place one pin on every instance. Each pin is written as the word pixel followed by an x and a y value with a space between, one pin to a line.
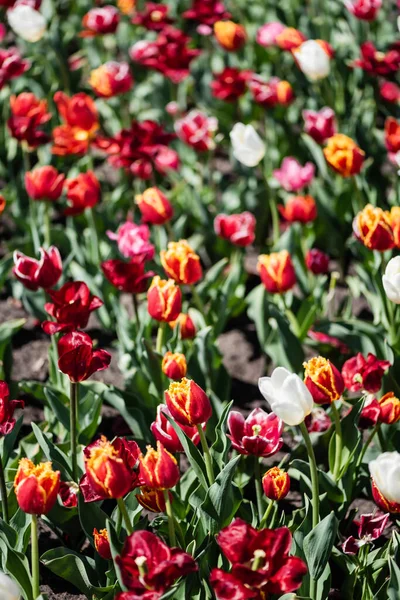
pixel 256 431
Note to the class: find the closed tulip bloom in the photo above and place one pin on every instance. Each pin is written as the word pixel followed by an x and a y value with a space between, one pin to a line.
pixel 83 192
pixel 392 135
pixel 154 206
pixel 290 38
pixel 276 271
pixel 259 434
pixel 11 65
pixel 266 35
pixel 100 21
pixel 164 300
pixel 394 217
pixel 391 280
pixel 133 240
pixel 360 373
pixel 276 484
pixel 188 403
pixel 370 413
pixel 299 209
pixel 7 408
pixel 343 155
pixel 323 380
pixel 248 148
pixel 197 130
pixel 229 35
pixel 385 473
pixel 174 365
pixel 69 493
pixel 111 79
pixel 389 406
pixel 287 395
pixel 239 229
pixel 186 326
pixel 35 274
pixel 111 469
pixel 152 500
pixel 372 226
pixel 320 124
pixel 129 277
pixel 163 431
pixel 8 588
pixel 365 10
pixel 293 176
pixel 44 183
pixel 102 543
pixel 77 359
pixel 313 60
pixel 181 263
pixel 317 261
pixel 158 468
pixel 28 23
pixel 3 203
pixel 36 487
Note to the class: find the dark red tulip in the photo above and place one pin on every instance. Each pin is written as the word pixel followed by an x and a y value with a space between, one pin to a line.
pixel 11 65
pixel 317 261
pixel 239 229
pixel 77 359
pixel 360 373
pixel 230 84
pixel 35 274
pixel 207 12
pixel 129 277
pixel 163 431
pixel 154 17
pixel 71 307
pixel 375 62
pixel 28 113
pixel 7 408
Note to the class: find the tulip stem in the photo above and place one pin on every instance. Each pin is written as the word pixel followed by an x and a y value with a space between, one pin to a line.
pixel 207 455
pixel 124 513
pixel 136 310
pixel 94 236
pixel 47 235
pixel 258 486
pixel 338 441
pixel 160 337
pixel 171 526
pixel 367 443
pixel 3 491
pixel 197 300
pixel 35 557
pixel 266 514
pixel 74 390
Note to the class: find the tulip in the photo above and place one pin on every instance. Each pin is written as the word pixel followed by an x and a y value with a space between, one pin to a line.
pixel 361 373
pixel 69 493
pixel 8 588
pixel 127 277
pixel 365 10
pixel 102 543
pixel 100 21
pixel 276 484
pixel 323 380
pixel 181 263
pixel 28 113
pixel 80 117
pixel 239 229
pixel 197 130
pixel 27 22
pixel 152 500
pixel 343 155
pixel 317 261
pixel 174 365
pixel 370 414
pixel 375 62
pixel 71 307
pixel 154 17
pixel 266 35
pixel 287 395
pixel 186 326
pixel 389 406
pixel 276 271
pixel 300 209
pixel 391 280
pixel 230 84
pixel 390 91
pixel 77 359
pixel 111 79
pixel 207 12
pixel 385 473
pixel 188 403
pixel 229 35
pixel 133 240
pixel 164 300
pixel 248 147
pixel 290 39
pixel 2 203
pixel 11 65
pixel 7 408
pixel 154 206
pixel 259 434
pixel 36 487
pixel 293 176
pixel 44 183
pixel 271 93
pixel 394 217
pixel 158 468
pixel 392 135
pixel 35 274
pixel 320 125
pixel 329 340
pixel 163 431
pixel 83 192
pixel 370 528
pixel 318 421
pixel 372 226
pixel 313 60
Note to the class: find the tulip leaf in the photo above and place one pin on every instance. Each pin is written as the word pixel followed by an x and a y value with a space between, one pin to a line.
pixel 318 545
pixel 91 516
pixel 393 590
pixel 317 154
pixel 9 441
pixel 52 453
pixel 130 409
pixel 351 438
pixel 115 547
pixel 17 565
pixel 221 443
pixel 58 405
pixel 73 567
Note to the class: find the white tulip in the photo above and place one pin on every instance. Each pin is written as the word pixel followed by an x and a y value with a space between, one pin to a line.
pixel 287 395
pixel 385 471
pixel 391 280
pixel 8 589
pixel 248 147
pixel 313 60
pixel 27 22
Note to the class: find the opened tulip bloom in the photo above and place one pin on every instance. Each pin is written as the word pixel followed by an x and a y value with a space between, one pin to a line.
pixel 163 431
pixel 197 130
pixel 181 263
pixel 248 148
pixel 129 277
pixel 370 528
pixel 28 114
pixel 26 22
pixel 111 79
pixel 154 206
pixel 102 543
pixel 239 229
pixel 133 240
pixel 385 473
pixel 293 176
pixel 80 124
pixel 7 408
pixel 100 21
pixel 71 307
pixel 154 17
pixel 372 226
pixel 391 280
pixel 35 274
pixel 259 434
pixel 77 359
pixel 287 395
pixel 360 373
pixel 36 487
pixel 313 60
pixel 229 85
pixel 320 124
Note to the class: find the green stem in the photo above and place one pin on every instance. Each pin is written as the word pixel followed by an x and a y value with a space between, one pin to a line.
pixel 55 355
pixel 125 516
pixel 33 224
pixel 94 237
pixel 160 337
pixel 381 440
pixel 136 310
pixel 367 443
pixel 171 526
pixel 266 514
pixel 258 486
pixel 3 491
pixel 207 455
pixel 74 389
pixel 47 234
pixel 35 557
pixel 338 441
pixel 274 217
pixel 197 300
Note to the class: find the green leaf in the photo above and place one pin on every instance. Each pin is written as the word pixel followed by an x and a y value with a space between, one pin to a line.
pixel 52 453
pixel 221 443
pixel 16 565
pixel 73 567
pixel 115 547
pixel 317 154
pixel 220 502
pixel 58 402
pixel 130 409
pixel 318 545
pixel 9 441
pixel 393 590
pixel 91 516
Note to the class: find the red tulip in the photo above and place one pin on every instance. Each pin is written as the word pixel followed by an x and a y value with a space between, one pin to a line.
pixel 375 62
pixel 152 500
pixel 181 263
pixel 239 229
pixel 186 326
pixel 111 79
pixel 320 124
pixel 35 274
pixel 259 434
pixel 154 206
pixel 229 35
pixel 7 408
pixel 273 92
pixel 207 12
pixel 323 380
pixel 276 272
pixel 77 359
pixel 11 65
pixel 317 421
pixel 197 130
pixel 69 493
pixel 100 21
pixel 276 484
pixel 163 431
pixel 80 117
pixel 36 487
pixel 28 113
pixel 154 17
pixel 44 183
pixel 174 365
pixel 317 261
pixel 390 91
pixel 102 543
pixel 299 209
pixel 158 468
pixel 373 227
pixel 365 10
pixel 164 300
pixel 370 413
pixel 360 373
pixel 83 192
pixel 392 135
pixel 129 277
pixel 71 307
pixel 188 403
pixel 370 528
pixel 230 84
pixel 389 406
pixel 133 241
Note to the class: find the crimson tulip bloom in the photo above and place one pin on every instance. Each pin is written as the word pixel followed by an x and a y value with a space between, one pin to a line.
pixel 44 183
pixel 11 65
pixel 207 12
pixel 71 307
pixel 370 528
pixel 69 493
pixel 80 117
pixel 7 408
pixel 390 91
pixel 154 206
pixel 100 21
pixel 154 17
pixel 83 192
pixel 163 431
pixel 389 406
pixel 36 487
pixel 230 84
pixel 323 380
pixel 276 272
pixel 271 93
pixel 320 124
pixel 111 79
pixel 239 229
pixel 317 421
pixel 35 274
pixel 186 326
pixel 102 543
pixel 365 10
pixel 188 403
pixel 197 130
pixel 373 227
pixel 370 413
pixel 317 261
pixel 77 359
pixel 259 434
pixel 164 300
pixel 158 468
pixel 111 469
pixel 360 373
pixel 146 563
pixel 392 135
pixel 261 564
pixel 129 277
pixel 28 113
pixel 375 62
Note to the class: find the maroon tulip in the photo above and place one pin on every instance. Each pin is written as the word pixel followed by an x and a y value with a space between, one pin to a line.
pixel 360 373
pixel 320 124
pixel 317 261
pixel 375 62
pixel 100 21
pixel 259 434
pixel 127 277
pixel 11 65
pixel 77 359
pixel 68 493
pixel 230 84
pixel 154 17
pixel 317 421
pixel 370 413
pixel 71 307
pixel 35 274
pixel 7 408
pixel 207 12
pixel 370 527
pixel 238 229
pixel 163 431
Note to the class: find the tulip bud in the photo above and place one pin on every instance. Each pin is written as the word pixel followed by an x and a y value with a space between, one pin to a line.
pixel 343 155
pixel 385 473
pixel 164 300
pixel 276 271
pixel 181 263
pixel 186 325
pixel 8 588
pixel 188 403
pixel 317 261
pixel 27 22
pixel 36 487
pixel 163 431
pixel 102 543
pixel 248 147
pixel 229 35
pixel 152 500
pixel 389 409
pixel 35 274
pixel 363 10
pixel 287 395
pixel 2 203
pixel 323 380
pixel 44 183
pixel 266 35
pixel 276 483
pixel 313 60
pixel 391 280
pixel 158 468
pixel 174 365
pixel 154 206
